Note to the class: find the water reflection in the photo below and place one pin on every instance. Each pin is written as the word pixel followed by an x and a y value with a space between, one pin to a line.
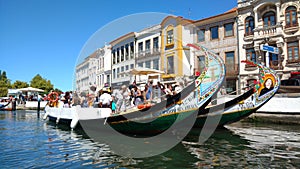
pixel 29 142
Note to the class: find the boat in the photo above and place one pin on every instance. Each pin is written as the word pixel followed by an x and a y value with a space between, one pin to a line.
pixel 5 104
pixel 241 106
pixel 158 117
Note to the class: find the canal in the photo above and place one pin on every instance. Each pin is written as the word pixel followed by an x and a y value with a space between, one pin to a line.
pixel 29 142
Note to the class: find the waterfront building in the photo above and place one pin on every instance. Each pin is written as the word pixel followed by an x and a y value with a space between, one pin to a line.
pixel 147 54
pixel 103 72
pixel 219 34
pixel 122 55
pixel 86 73
pixel 175 55
pixel 273 23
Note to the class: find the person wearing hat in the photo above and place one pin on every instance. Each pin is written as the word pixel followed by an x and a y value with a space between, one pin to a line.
pixel 105 99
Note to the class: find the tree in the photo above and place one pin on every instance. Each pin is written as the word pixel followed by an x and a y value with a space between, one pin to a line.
pixel 4 84
pixel 57 90
pixel 39 82
pixel 19 84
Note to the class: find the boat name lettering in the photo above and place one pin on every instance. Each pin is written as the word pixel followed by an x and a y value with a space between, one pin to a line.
pixel 246 105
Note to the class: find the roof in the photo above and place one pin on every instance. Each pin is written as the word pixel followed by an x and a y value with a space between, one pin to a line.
pixel 118 40
pixel 231 11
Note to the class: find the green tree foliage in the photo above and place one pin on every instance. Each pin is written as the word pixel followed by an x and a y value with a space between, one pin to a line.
pixel 57 91
pixel 19 84
pixel 4 84
pixel 39 82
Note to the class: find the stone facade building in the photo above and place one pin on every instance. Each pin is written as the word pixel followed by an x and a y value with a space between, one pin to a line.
pixel 273 23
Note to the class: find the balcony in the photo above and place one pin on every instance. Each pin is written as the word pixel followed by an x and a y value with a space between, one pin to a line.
pixel 290 29
pixel 292 62
pixel 267 31
pixel 232 70
pixel 148 53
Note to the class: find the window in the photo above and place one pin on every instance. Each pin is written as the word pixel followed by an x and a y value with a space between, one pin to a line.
pixel 229 62
pixel 214 32
pixel 170 37
pixel 251 55
pixel 140 47
pixel 102 82
pixel 140 64
pixel 293 51
pixel 127 67
pixel 170 64
pixel 249 25
pixel 291 16
pixel 231 86
pixel 148 64
pixel 147 45
pixel 269 19
pixel 118 55
pixel 114 56
pixel 108 79
pixel 156 64
pixel 131 66
pixel 118 71
pixel 126 52
pixel 114 73
pixel 228 29
pixel 155 43
pixel 201 35
pixel 131 50
pixel 122 53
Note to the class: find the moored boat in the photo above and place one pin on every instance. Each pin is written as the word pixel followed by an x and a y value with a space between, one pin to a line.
pixel 160 116
pixel 6 104
pixel 244 105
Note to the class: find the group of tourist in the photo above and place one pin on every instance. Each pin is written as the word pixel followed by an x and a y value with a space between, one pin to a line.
pixel 119 100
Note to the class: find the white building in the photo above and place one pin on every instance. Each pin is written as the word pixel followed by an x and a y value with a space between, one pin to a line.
pixel 103 72
pixel 82 77
pixel 147 53
pixel 122 54
pixel 274 23
pixel 86 74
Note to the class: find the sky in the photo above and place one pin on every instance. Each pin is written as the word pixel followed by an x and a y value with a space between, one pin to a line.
pixel 50 37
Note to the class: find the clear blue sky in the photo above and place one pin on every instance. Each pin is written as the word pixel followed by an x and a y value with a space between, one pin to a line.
pixel 47 37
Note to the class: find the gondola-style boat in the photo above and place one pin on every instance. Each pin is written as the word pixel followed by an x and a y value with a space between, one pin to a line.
pixel 160 116
pixel 244 105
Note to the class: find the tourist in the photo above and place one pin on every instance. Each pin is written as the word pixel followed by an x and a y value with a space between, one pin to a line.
pixel 83 100
pixel 125 98
pixel 168 91
pixel 132 85
pixel 149 91
pixel 105 99
pixel 76 99
pixel 138 96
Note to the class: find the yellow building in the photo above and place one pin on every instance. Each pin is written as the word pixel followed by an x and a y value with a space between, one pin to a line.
pixel 175 57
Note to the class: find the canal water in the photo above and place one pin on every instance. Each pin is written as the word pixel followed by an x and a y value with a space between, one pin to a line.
pixel 29 142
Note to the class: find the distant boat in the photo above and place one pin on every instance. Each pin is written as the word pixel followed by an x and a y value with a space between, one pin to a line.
pixel 155 118
pixel 5 104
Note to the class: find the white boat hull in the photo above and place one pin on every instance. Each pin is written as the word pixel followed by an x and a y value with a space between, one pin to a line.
pixel 74 114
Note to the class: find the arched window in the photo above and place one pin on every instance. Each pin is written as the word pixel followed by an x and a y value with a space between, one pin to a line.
pixel 249 25
pixel 291 16
pixel 269 19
